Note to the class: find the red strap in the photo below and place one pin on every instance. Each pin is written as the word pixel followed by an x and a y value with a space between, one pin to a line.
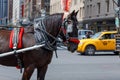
pixel 75 40
pixel 19 38
pixel 18 67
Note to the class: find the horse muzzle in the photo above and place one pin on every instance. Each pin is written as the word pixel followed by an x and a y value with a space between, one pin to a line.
pixel 72 44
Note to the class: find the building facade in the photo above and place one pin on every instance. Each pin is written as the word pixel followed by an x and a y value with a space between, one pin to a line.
pixel 99 15
pixel 10 10
pixel 32 8
pixel 3 12
pixel 29 9
pixel 17 10
pixel 55 6
pixel 46 6
pixel 96 15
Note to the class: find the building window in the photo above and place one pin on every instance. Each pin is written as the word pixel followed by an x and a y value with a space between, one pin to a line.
pixel 91 10
pixel 75 2
pixel 90 0
pixel 88 13
pixel 98 4
pixel 83 11
pixel 107 4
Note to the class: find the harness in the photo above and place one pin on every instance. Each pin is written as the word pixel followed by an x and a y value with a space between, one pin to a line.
pixel 16 38
pixel 16 43
pixel 43 37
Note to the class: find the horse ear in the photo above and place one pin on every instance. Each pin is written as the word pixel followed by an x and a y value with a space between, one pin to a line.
pixel 76 13
pixel 73 12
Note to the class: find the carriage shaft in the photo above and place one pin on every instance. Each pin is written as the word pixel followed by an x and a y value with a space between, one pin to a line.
pixel 21 50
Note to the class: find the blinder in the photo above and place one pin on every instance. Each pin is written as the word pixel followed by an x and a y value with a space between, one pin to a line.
pixel 68 25
pixel 67 28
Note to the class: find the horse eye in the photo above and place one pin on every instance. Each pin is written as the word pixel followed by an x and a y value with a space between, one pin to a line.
pixel 69 22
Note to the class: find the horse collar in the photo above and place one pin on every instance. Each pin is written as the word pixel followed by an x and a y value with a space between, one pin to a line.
pixel 42 36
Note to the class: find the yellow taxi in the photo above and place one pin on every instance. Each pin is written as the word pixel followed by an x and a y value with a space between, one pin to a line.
pixel 101 41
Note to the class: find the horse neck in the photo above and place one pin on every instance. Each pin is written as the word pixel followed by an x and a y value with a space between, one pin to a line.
pixel 29 29
pixel 53 24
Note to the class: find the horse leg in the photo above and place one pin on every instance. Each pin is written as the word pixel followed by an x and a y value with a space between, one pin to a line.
pixel 28 71
pixel 41 71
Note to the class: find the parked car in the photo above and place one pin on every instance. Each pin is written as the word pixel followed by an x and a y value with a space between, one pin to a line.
pixel 82 34
pixel 101 41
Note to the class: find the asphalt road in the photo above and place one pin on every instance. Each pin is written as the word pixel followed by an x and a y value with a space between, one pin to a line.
pixel 72 66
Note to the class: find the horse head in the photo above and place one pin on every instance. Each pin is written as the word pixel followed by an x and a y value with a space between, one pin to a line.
pixel 70 24
pixel 51 26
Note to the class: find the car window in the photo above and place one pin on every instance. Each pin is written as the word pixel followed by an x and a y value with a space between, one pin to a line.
pixel 90 32
pixel 79 32
pixel 96 35
pixel 112 36
pixel 108 36
pixel 83 32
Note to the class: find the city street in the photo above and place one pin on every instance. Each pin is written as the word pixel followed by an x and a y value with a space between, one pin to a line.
pixel 72 66
pixel 43 21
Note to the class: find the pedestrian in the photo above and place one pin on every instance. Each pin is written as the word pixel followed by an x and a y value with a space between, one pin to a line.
pixel 87 35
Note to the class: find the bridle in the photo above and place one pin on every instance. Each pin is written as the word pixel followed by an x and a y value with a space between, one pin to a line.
pixel 67 27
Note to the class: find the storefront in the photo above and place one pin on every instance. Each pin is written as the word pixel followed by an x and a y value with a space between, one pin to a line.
pixel 100 25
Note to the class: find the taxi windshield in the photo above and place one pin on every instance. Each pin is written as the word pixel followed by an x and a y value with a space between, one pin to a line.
pixel 96 35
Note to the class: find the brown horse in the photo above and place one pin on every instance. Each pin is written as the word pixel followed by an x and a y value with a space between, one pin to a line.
pixel 39 58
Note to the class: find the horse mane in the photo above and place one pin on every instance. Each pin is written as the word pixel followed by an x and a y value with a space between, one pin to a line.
pixel 53 17
pixel 53 21
pixel 47 20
